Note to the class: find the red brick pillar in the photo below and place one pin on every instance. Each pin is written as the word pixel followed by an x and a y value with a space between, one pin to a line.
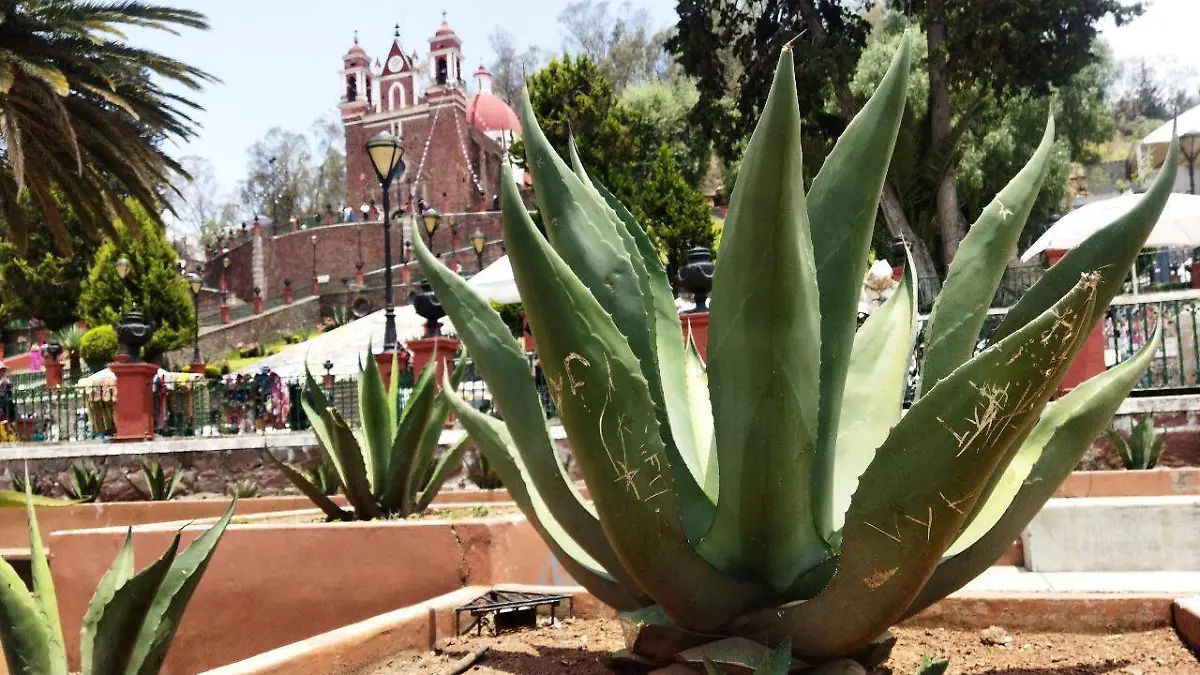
pixel 423 353
pixel 258 302
pixel 287 294
pixel 384 361
pixel 527 333
pixel 54 373
pixel 315 286
pixel 198 368
pixel 135 401
pixel 1089 362
pixel 696 324
pixel 1195 274
pixel 226 316
pixel 359 277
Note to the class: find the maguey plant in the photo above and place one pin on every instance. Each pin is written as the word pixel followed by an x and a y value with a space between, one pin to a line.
pixel 391 465
pixel 780 493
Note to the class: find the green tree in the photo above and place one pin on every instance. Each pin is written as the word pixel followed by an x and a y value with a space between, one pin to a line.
pixel 659 114
pixel 153 282
pixel 44 283
pixel 978 53
pixel 84 112
pixel 623 151
pixel 673 212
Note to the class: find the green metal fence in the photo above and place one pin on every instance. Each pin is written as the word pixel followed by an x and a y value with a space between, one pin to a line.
pixel 65 414
pixel 1130 321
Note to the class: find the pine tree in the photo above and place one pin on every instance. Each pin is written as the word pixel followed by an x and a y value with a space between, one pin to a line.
pixel 673 212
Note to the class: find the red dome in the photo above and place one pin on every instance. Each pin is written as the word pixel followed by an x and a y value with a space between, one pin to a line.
pixel 489 112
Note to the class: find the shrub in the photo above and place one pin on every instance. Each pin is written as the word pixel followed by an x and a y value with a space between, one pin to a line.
pixel 99 347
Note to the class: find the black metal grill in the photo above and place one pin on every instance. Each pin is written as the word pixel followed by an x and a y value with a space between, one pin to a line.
pixel 505 610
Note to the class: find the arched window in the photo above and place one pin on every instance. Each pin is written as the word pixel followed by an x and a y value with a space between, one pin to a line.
pixel 397 98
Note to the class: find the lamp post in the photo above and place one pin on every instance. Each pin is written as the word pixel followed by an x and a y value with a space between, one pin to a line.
pixel 195 283
pixel 225 263
pixel 386 152
pixel 478 241
pixel 134 330
pixel 313 239
pixel 431 218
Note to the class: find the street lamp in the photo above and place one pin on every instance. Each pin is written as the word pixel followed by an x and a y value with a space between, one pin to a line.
pixel 122 267
pixel 432 219
pixel 195 282
pixel 387 152
pixel 134 330
pixel 478 241
pixel 314 250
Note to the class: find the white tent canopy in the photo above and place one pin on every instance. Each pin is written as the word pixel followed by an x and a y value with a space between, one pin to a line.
pixel 345 345
pixel 1187 125
pixel 1179 225
pixel 496 283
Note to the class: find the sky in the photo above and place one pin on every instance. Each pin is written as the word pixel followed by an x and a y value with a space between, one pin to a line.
pixel 279 60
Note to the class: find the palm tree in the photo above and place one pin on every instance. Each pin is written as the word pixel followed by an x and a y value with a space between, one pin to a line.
pixel 83 113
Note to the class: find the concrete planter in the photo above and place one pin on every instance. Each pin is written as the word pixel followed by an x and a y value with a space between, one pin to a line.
pixel 274 583
pixel 359 645
pixel 1123 483
pixel 1115 534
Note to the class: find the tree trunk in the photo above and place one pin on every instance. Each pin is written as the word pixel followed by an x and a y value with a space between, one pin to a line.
pixel 898 226
pixel 950 221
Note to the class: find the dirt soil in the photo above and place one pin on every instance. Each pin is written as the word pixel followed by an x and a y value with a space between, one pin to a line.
pixel 582 646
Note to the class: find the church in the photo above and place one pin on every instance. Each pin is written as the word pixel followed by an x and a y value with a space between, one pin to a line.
pixel 454 142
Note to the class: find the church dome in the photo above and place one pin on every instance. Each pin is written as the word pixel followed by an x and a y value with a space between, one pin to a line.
pixel 489 112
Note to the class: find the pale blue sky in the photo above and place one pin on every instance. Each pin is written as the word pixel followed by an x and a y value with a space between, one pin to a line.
pixel 279 59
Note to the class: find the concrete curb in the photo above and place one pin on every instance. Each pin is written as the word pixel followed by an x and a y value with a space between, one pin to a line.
pixel 1186 613
pixel 1050 612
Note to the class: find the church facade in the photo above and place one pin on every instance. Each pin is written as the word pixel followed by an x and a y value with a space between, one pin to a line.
pixel 454 141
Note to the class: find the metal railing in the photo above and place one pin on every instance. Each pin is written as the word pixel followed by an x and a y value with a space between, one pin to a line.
pixel 65 414
pixel 1130 320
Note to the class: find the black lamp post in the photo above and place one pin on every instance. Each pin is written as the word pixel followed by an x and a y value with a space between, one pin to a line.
pixel 386 152
pixel 431 218
pixel 314 250
pixel 696 277
pixel 478 242
pixel 195 282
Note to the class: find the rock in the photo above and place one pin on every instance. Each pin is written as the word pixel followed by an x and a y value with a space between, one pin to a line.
pixel 995 636
pixel 839 667
pixel 650 635
pixel 673 669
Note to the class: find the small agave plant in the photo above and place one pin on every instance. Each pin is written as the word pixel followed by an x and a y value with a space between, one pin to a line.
pixel 390 466
pixel 780 495
pixel 130 621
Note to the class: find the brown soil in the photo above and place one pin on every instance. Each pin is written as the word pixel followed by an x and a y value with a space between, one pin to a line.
pixel 582 647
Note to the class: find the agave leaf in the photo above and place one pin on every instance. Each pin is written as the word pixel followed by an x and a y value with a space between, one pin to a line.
pixel 842 206
pixel 499 359
pixel 876 380
pixel 961 307
pixel 603 256
pixel 398 492
pixel 355 481
pixel 498 447
pixel 393 392
pixel 1052 450
pixel 14 499
pixel 172 597
pixel 378 424
pixel 764 358
pixel 117 624
pixel 447 464
pixel 43 588
pixel 117 575
pixel 915 496
pixel 426 449
pixel 685 391
pixel 605 406
pixel 1122 447
pixel 304 485
pixel 1111 252
pixel 27 639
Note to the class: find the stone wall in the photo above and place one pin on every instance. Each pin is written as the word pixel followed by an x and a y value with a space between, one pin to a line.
pixel 216 340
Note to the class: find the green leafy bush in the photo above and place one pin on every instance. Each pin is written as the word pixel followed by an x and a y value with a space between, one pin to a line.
pixel 99 347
